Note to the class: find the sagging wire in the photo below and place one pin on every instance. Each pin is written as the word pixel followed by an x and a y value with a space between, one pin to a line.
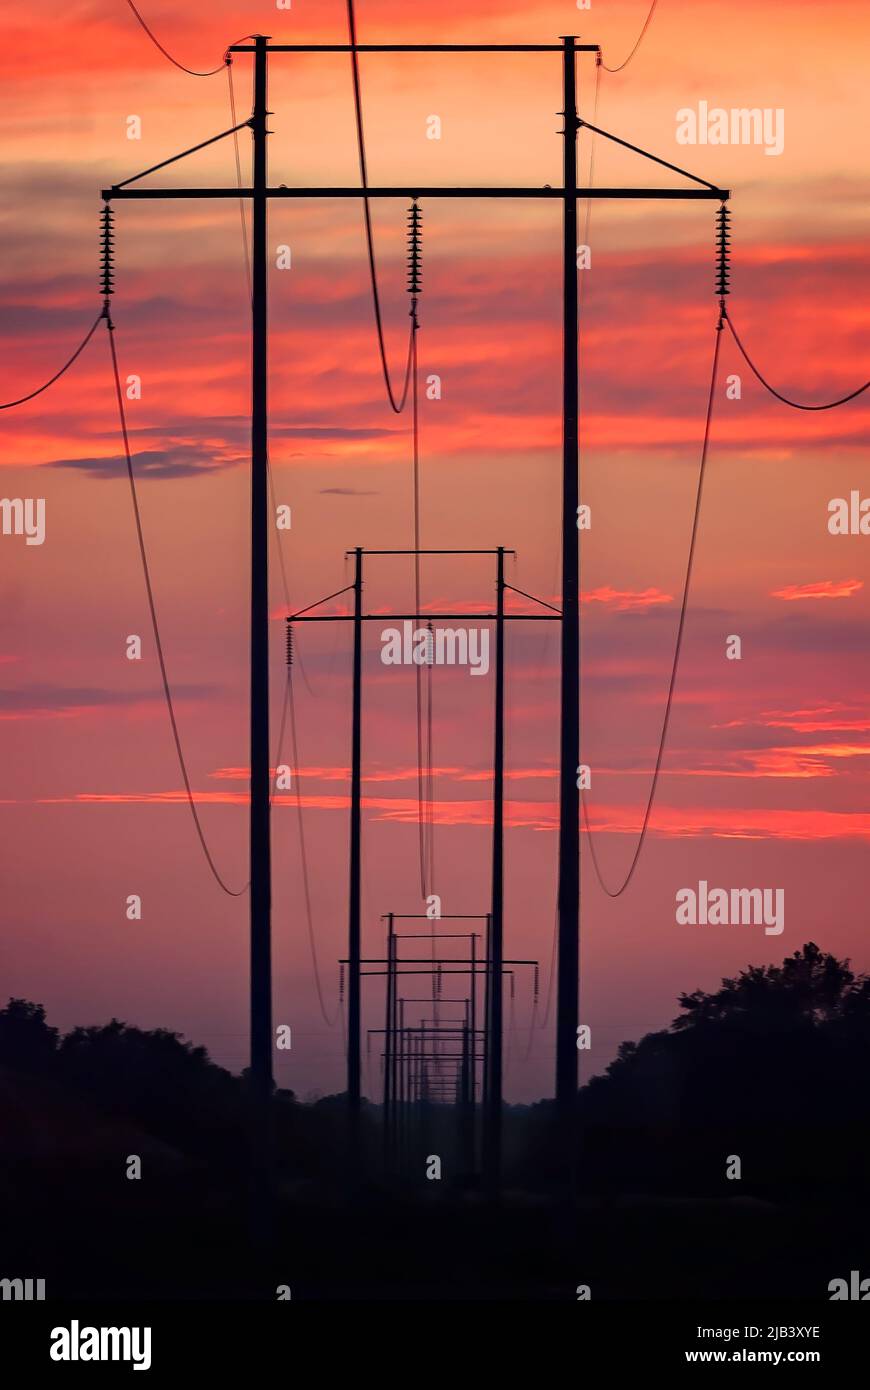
pixel 723 251
pixel 167 692
pixel 425 808
pixel 290 704
pixel 107 289
pixel 397 403
pixel 641 37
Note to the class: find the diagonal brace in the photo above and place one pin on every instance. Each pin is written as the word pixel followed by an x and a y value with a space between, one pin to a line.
pixel 675 168
pixel 175 158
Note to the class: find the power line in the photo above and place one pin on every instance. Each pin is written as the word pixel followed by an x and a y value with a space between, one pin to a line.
pixel 425 813
pixel 425 808
pixel 282 565
pixel 724 318
pixel 418 673
pixel 247 257
pixel 430 777
pixel 590 181
pixel 290 705
pixel 551 978
pixel 397 405
pixel 7 405
pixel 511 1030
pixel 191 72
pixel 615 893
pixel 795 405
pixel 289 701
pixel 242 210
pixel 233 893
pixel 640 40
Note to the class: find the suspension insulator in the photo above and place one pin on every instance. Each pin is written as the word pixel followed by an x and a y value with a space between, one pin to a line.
pixel 415 250
pixel 723 252
pixel 341 982
pixel 290 652
pixel 537 982
pixel 107 251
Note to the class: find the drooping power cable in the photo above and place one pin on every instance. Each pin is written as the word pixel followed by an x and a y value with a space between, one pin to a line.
pixel 242 209
pixel 397 403
pixel 795 405
pixel 611 892
pixel 8 405
pixel 290 704
pixel 143 554
pixel 191 72
pixel 640 40
pixel 589 201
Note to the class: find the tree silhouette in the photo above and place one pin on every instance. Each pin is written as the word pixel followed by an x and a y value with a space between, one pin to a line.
pixel 169 1086
pixel 770 1066
pixel 810 986
pixel 27 1043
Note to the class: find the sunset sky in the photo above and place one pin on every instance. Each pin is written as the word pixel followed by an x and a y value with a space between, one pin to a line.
pixel 766 779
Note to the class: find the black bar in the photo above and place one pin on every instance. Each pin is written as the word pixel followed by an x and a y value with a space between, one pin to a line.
pixel 472 1020
pixel 428 1055
pixel 442 617
pixel 533 598
pixel 487 1022
pixel 403 1125
pixel 437 960
pixel 389 1057
pixel 353 998
pixel 415 48
pixel 645 154
pixel 569 797
pixel 217 1334
pixel 184 153
pixel 492 1114
pixel 319 603
pixel 448 1027
pixel 482 971
pixel 416 191
pixel 261 868
pixel 416 551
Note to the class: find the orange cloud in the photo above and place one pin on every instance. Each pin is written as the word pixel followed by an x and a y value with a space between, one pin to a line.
pixel 824 719
pixel 759 823
pixel 342 774
pixel 825 588
pixel 403 810
pixel 683 822
pixel 801 762
pixel 626 600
